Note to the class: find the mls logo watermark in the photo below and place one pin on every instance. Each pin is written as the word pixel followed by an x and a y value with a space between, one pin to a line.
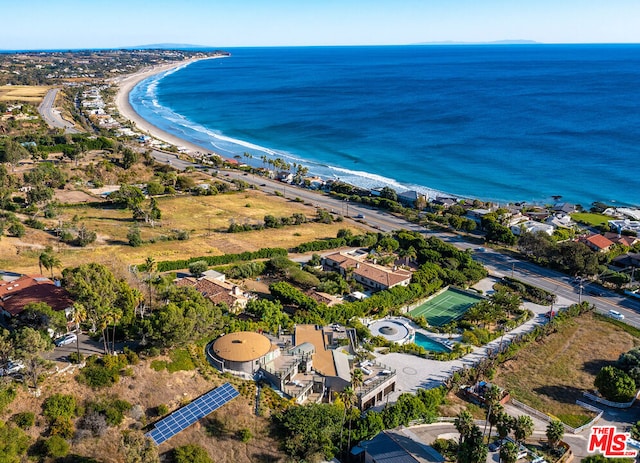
pixel 608 442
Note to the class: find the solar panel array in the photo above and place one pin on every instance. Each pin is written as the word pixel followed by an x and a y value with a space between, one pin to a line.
pixel 184 417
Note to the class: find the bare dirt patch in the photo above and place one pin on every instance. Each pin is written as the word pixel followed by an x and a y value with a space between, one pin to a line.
pixel 218 433
pixel 74 197
pixel 552 374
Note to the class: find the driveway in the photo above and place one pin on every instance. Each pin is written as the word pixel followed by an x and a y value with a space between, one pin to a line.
pixel 87 347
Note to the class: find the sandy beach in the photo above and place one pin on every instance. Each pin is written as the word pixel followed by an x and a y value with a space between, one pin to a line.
pixel 126 84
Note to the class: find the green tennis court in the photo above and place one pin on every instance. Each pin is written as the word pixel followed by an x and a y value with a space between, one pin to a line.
pixel 443 308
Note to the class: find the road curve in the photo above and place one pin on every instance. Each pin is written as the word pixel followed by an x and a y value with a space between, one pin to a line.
pixel 52 116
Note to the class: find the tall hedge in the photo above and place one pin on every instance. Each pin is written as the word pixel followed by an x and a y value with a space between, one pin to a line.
pixel 265 253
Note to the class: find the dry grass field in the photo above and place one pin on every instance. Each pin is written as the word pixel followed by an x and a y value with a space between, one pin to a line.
pixel 149 388
pixel 26 93
pixel 205 218
pixel 552 374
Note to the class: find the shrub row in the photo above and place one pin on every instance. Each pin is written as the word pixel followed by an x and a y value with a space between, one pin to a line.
pixel 529 292
pixel 224 259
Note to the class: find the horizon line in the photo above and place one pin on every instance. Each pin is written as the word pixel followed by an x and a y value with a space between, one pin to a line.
pixel 170 46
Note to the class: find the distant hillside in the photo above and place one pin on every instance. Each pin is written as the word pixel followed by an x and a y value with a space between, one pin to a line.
pixel 166 46
pixel 495 42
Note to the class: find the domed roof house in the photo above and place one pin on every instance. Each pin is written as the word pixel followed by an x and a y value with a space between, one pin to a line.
pixel 242 351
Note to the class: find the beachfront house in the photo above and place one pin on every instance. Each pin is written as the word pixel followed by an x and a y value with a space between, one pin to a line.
pixel 411 198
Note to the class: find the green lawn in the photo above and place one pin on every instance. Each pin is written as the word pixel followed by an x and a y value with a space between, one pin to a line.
pixel 590 218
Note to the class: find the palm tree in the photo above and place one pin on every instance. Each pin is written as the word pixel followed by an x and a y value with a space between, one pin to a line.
pixel 492 397
pixel 115 317
pixel 54 262
pixel 149 266
pixel 504 424
pixel 357 378
pixel 493 415
pixel 48 260
pixel 509 452
pixel 522 428
pixel 464 424
pixel 555 432
pixel 348 398
pixel 79 315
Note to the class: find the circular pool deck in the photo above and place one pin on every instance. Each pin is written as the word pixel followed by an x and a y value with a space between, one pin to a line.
pixel 391 330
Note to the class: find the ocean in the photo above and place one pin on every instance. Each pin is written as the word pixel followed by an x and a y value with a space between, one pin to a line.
pixel 505 123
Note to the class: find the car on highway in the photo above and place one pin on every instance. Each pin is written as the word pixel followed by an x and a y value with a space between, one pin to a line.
pixel 66 339
pixel 14 366
pixel 359 216
pixel 615 314
pixel 596 292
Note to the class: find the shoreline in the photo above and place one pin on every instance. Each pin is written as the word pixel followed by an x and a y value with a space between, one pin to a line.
pixel 126 85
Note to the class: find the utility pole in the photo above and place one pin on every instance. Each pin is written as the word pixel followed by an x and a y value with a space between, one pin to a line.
pixel 580 293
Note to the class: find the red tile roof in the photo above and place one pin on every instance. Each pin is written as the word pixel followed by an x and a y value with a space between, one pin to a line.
pixel 622 239
pixel 16 294
pixel 214 290
pixel 599 241
pixel 376 273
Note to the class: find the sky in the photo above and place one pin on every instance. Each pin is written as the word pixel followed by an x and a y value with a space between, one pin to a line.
pixel 59 24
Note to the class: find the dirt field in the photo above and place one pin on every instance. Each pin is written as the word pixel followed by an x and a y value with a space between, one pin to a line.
pixel 551 375
pixel 149 388
pixel 27 93
pixel 192 213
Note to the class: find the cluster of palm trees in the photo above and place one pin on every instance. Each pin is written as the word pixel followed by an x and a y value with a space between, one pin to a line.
pixel 500 305
pixel 281 164
pixel 472 447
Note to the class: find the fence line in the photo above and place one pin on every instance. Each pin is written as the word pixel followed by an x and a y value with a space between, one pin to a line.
pixel 609 403
pixel 543 416
pixel 533 411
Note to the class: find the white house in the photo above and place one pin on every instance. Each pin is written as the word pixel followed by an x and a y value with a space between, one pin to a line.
pixel 532 226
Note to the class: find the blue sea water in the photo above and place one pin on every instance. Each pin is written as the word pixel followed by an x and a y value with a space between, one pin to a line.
pixel 503 123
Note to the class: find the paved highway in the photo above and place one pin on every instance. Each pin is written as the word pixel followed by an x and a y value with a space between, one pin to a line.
pixel 497 264
pixel 52 116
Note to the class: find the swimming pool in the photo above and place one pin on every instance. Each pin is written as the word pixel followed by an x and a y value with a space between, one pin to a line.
pixel 430 344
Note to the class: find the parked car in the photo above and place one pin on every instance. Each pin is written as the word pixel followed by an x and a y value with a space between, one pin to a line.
pixel 66 339
pixel 495 445
pixel 12 367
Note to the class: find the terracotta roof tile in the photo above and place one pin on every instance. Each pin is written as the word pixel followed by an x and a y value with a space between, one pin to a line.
pixel 599 241
pixel 16 294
